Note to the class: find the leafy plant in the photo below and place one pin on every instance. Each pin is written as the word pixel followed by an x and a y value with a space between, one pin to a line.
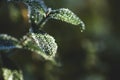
pixel 35 40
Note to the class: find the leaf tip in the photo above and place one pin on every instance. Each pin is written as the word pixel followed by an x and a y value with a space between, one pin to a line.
pixel 82 26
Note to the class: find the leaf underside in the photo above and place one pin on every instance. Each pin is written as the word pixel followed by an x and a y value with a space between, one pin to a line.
pixel 7 42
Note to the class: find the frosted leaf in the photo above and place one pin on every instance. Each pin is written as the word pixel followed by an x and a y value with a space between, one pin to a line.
pixel 36 11
pixel 67 16
pixel 9 74
pixel 8 42
pixel 41 43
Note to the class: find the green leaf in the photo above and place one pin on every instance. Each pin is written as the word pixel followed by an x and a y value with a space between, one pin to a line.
pixel 41 43
pixel 37 11
pixel 10 70
pixel 7 42
pixel 67 16
pixel 9 74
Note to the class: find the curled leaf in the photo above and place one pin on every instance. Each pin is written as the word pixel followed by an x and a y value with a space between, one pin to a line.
pixel 8 42
pixel 68 16
pixel 41 43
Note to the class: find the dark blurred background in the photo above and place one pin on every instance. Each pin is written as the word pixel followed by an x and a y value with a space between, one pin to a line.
pixel 91 55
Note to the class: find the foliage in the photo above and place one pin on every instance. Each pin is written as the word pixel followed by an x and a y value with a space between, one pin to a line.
pixel 9 74
pixel 35 40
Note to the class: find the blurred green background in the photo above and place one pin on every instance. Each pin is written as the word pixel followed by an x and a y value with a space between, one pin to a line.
pixel 91 55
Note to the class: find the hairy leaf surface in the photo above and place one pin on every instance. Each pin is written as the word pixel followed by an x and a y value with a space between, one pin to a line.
pixel 41 43
pixel 65 15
